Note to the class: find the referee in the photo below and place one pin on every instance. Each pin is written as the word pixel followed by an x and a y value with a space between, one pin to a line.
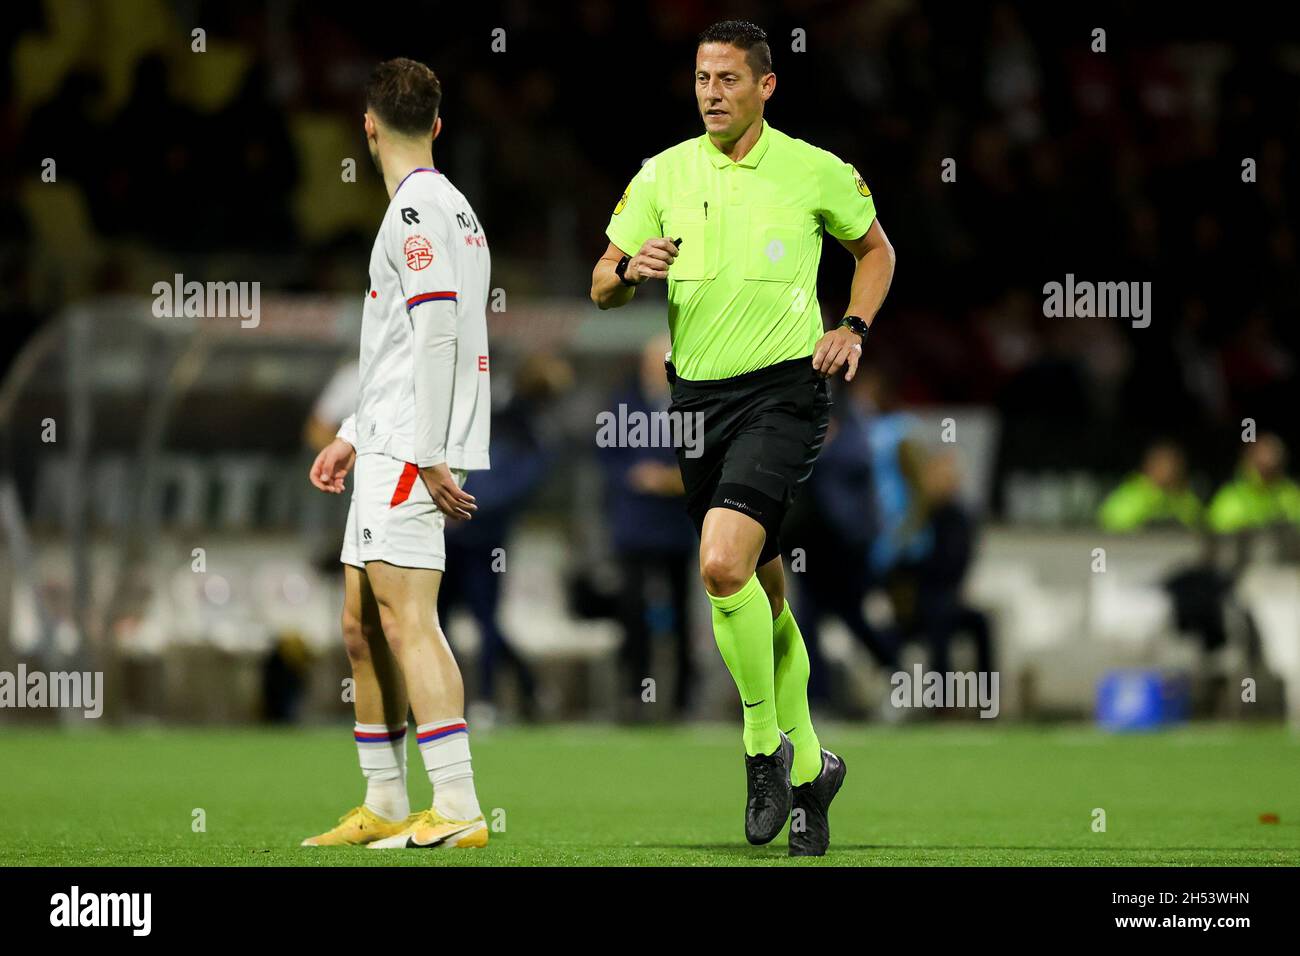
pixel 733 220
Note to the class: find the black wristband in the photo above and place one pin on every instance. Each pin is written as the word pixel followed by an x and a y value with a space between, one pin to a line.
pixel 855 325
pixel 621 268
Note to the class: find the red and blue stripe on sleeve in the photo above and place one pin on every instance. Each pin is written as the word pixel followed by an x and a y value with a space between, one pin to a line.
pixel 423 297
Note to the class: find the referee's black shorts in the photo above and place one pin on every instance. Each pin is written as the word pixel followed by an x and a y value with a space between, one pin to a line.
pixel 762 431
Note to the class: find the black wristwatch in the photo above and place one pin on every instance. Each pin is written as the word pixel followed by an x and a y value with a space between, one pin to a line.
pixel 856 326
pixel 622 268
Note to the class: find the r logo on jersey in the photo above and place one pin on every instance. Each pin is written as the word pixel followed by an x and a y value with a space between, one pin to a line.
pixel 419 252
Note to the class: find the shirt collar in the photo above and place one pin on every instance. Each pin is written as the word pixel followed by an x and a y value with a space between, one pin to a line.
pixel 752 158
pixel 417 169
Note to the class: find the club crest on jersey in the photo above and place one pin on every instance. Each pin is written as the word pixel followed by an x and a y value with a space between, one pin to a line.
pixel 419 252
pixel 863 189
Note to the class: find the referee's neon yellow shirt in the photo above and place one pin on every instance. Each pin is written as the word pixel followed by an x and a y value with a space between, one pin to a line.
pixel 742 294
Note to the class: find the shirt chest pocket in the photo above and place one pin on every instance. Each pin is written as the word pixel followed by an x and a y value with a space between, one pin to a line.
pixel 774 243
pixel 697 256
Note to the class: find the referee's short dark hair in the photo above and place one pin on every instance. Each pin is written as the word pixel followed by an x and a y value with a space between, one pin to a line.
pixel 405 95
pixel 748 36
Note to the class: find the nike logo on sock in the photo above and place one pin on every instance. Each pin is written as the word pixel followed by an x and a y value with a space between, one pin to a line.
pixel 754 704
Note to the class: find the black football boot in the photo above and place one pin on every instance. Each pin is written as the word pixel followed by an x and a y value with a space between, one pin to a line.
pixel 810 830
pixel 767 806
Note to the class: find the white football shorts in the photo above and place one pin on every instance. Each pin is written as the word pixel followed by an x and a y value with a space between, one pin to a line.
pixel 392 517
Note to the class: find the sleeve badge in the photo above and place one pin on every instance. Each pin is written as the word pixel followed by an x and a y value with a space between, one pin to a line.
pixel 863 189
pixel 419 252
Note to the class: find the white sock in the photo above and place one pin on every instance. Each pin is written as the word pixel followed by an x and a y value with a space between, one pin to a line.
pixel 444 744
pixel 383 762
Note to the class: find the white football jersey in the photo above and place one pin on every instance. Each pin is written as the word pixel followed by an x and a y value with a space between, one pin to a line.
pixel 424 391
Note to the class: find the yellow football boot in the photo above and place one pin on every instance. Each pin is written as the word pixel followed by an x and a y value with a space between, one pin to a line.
pixel 429 829
pixel 358 827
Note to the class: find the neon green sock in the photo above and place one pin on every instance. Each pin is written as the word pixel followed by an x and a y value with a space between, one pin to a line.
pixel 791 685
pixel 742 626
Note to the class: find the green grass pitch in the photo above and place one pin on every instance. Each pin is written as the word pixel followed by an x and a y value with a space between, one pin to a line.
pixel 919 795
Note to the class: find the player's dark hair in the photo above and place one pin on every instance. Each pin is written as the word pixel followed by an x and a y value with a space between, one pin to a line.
pixel 405 95
pixel 748 37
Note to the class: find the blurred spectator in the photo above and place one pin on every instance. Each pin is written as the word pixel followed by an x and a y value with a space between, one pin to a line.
pixel 935 610
pixel 1156 495
pixel 1206 608
pixel 476 549
pixel 895 469
pixel 253 167
pixel 653 541
pixel 160 154
pixel 828 538
pixel 61 128
pixel 336 402
pixel 1261 495
pixel 18 314
pixel 285 675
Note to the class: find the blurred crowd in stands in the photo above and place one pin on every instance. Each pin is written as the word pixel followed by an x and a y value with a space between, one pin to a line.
pixel 1122 165
pixel 1164 158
